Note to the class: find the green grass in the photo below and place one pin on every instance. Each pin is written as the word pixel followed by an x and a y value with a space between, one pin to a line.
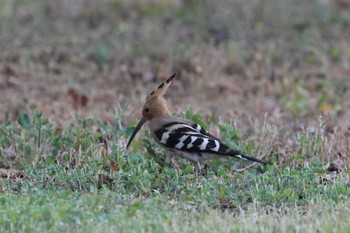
pixel 70 186
pixel 275 74
pixel 108 211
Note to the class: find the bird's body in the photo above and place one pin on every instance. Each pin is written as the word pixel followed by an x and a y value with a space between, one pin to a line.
pixel 182 137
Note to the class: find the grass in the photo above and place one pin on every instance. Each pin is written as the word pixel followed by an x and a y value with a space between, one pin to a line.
pixel 108 212
pixel 268 77
pixel 70 185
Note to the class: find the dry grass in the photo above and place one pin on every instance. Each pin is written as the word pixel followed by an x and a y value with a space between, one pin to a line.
pixel 290 61
pixel 278 71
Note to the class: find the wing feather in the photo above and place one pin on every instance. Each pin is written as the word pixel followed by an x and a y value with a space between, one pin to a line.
pixel 198 128
pixel 190 138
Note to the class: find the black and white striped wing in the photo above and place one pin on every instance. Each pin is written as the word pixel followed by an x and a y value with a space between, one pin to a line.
pixel 198 128
pixel 184 137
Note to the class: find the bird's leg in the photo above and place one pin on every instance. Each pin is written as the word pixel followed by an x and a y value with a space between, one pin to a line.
pixel 170 159
pixel 197 167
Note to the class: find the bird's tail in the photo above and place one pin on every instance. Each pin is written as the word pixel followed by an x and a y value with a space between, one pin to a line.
pixel 240 155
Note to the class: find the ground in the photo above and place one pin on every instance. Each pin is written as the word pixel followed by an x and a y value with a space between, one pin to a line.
pixel 269 77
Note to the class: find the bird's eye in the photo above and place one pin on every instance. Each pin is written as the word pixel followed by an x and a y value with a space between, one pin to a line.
pixel 146 109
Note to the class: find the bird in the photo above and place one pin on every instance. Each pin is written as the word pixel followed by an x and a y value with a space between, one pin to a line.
pixel 182 137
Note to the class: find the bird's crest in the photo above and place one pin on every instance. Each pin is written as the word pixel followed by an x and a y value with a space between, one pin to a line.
pixel 161 89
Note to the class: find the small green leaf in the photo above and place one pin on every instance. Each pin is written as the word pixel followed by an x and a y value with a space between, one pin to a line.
pixel 246 173
pixel 135 146
pixel 188 114
pixel 287 192
pixel 187 170
pixel 335 53
pixel 221 172
pixel 101 54
pixel 136 206
pixel 24 121
pixel 49 161
pixel 250 147
pixel 320 171
pixel 223 191
pixel 211 119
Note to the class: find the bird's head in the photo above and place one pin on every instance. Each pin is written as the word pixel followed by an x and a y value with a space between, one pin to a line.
pixel 155 106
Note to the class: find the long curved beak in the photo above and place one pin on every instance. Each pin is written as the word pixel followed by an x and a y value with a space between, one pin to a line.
pixel 138 127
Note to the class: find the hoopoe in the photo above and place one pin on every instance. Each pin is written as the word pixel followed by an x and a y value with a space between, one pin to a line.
pixel 182 137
